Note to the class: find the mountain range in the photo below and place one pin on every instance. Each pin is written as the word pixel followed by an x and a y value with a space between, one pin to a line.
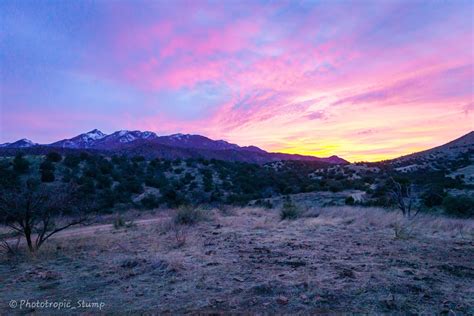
pixel 151 145
pixel 185 146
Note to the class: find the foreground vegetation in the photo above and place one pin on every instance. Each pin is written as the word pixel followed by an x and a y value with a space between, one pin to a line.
pixel 194 260
pixel 43 195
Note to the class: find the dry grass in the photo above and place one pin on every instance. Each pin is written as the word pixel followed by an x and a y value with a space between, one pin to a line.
pixel 425 224
pixel 330 260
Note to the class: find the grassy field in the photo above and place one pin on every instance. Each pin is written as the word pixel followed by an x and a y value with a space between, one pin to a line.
pixel 342 259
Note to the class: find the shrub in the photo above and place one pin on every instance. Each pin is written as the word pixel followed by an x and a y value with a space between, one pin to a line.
pixel 402 231
pixel 119 222
pixel 138 158
pixel 71 161
pixel 267 204
pixel 7 176
pixel 172 198
pixel 335 186
pixel 84 156
pixel 150 201
pixel 289 211
pixel 180 234
pixel 47 175
pixel 155 181
pixel 103 182
pixel 187 216
pixel 433 197
pixel 349 200
pixel 20 164
pixel 54 156
pixel 264 203
pixel 133 185
pixel 461 206
pixel 46 165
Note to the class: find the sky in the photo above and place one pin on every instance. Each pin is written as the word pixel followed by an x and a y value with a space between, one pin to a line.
pixel 364 80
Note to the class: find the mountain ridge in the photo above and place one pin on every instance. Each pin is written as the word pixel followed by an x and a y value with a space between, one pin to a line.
pixel 151 145
pixel 449 150
pixel 197 146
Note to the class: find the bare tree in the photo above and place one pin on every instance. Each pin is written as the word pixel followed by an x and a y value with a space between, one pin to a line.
pixel 37 211
pixel 404 197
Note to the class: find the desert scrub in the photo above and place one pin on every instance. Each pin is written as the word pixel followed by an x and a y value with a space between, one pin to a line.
pixel 402 230
pixel 349 200
pixel 119 222
pixel 187 215
pixel 459 206
pixel 150 201
pixel 180 235
pixel 289 211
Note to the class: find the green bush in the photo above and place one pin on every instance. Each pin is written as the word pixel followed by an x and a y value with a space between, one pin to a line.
pixel 289 211
pixel 119 222
pixel 54 156
pixel 433 196
pixel 133 185
pixel 460 206
pixel 264 203
pixel 349 200
pixel 150 201
pixel 187 215
pixel 46 165
pixel 20 164
pixel 47 171
pixel 7 176
pixel 172 197
pixel 47 175
pixel 335 186
pixel 71 161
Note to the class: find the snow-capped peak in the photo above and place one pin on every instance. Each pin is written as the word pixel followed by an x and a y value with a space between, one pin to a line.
pixel 123 132
pixel 179 136
pixel 95 134
pixel 27 141
pixel 148 134
pixel 22 143
pixel 125 136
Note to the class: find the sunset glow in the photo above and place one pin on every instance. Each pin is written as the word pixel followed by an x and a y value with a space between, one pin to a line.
pixel 364 80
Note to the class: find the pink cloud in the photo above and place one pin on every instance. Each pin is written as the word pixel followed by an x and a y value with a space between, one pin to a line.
pixel 296 76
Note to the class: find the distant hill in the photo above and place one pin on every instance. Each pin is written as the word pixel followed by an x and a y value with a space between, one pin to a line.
pixel 150 145
pixel 460 148
pixel 459 145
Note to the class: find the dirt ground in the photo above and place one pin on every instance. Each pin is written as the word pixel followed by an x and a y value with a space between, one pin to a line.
pixel 248 260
